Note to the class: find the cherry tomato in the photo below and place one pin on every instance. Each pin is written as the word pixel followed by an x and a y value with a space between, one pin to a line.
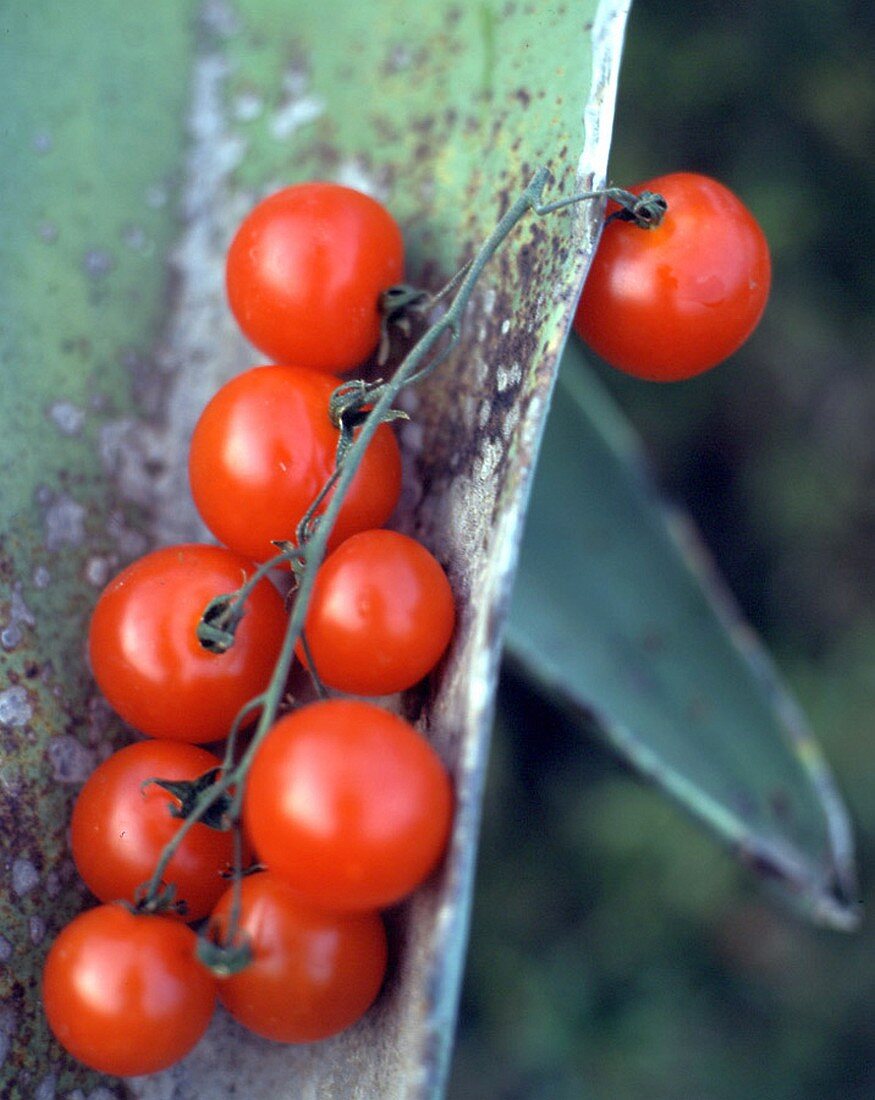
pixel 264 447
pixel 125 993
pixel 146 656
pixel 348 803
pixel 120 827
pixel 670 302
pixel 313 973
pixel 306 270
pixel 380 616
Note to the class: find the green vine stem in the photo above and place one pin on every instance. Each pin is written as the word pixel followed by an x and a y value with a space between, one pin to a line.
pixel 645 211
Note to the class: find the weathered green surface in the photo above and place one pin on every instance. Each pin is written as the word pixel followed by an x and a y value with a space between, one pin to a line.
pixel 93 99
pixel 615 608
pixel 134 138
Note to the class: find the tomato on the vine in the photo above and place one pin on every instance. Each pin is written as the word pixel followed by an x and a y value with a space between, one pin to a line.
pixel 306 270
pixel 669 302
pixel 381 614
pixel 120 827
pixel 263 448
pixel 124 992
pixel 313 972
pixel 348 803
pixel 146 656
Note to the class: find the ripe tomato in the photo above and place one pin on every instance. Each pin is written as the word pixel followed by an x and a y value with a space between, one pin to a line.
pixel 348 803
pixel 381 614
pixel 119 827
pixel 313 973
pixel 670 302
pixel 264 447
pixel 147 659
pixel 125 993
pixel 306 270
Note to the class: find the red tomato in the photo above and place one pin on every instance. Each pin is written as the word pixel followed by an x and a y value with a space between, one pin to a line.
pixel 125 993
pixel 264 447
pixel 670 302
pixel 119 827
pixel 381 614
pixel 349 804
pixel 306 270
pixel 147 659
pixel 312 974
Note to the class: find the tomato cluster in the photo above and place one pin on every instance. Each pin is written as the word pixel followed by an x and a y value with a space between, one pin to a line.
pixel 345 808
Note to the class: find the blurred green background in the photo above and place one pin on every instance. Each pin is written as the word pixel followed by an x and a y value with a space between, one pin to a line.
pixel 616 952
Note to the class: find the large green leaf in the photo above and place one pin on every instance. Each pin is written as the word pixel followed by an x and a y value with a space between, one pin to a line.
pixel 617 609
pixel 134 138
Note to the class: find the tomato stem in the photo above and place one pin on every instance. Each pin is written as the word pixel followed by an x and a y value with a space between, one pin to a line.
pixel 223 614
pixel 645 210
pixel 321 689
pixel 186 792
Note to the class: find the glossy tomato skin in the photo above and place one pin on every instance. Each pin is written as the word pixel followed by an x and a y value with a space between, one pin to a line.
pixel 667 303
pixel 349 804
pixel 125 993
pixel 313 973
pixel 120 827
pixel 381 614
pixel 263 448
pixel 306 270
pixel 145 654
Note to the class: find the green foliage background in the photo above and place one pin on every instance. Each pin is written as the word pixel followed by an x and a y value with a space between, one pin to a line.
pixel 616 952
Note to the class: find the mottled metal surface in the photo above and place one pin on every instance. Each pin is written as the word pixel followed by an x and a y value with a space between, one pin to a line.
pixel 91 146
pixel 140 138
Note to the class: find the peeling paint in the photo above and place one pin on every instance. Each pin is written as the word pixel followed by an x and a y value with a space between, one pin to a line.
pixel 201 329
pixel 130 543
pixel 156 196
pixel 220 17
pixel 353 173
pixel 491 456
pixel 20 616
pixel 295 114
pixel 247 106
pixel 15 707
pixel 67 417
pixel 400 58
pixel 98 571
pixel 42 578
pixel 131 454
pixel 47 1088
pixel 134 237
pixel 64 522
pixel 510 422
pixel 97 263
pixel 71 761
pixel 36 930
pixel 508 377
pixel 25 877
